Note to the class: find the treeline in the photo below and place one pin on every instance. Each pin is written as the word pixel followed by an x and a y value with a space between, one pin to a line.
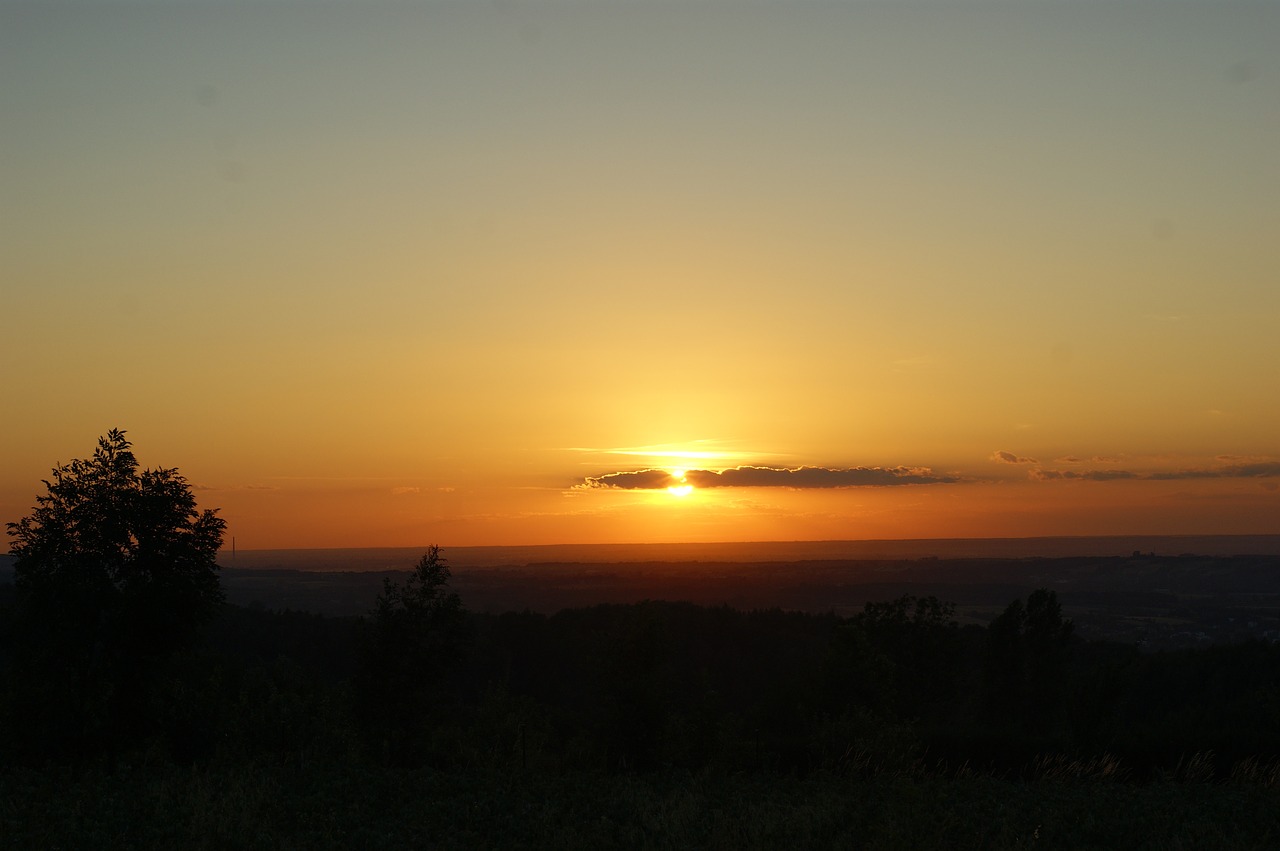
pixel 654 685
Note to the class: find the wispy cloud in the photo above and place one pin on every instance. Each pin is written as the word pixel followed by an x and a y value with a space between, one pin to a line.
pixel 694 450
pixel 1096 459
pixel 224 488
pixel 771 477
pixel 1083 475
pixel 1260 470
pixel 1256 470
pixel 914 364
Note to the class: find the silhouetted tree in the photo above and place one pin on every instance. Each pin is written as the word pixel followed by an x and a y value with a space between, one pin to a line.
pixel 413 642
pixel 897 658
pixel 115 572
pixel 1046 636
pixel 1023 679
pixel 1004 666
pixel 633 699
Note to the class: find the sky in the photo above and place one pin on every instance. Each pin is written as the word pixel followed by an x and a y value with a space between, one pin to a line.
pixel 395 273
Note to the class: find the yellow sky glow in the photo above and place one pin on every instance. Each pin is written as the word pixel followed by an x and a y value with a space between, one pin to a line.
pixel 396 274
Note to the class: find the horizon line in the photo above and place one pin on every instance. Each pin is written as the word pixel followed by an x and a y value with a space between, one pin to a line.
pixel 1178 535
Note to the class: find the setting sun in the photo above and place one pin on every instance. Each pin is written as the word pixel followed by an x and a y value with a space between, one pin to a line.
pixel 681 489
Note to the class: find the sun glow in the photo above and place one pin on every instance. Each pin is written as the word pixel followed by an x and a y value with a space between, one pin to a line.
pixel 681 489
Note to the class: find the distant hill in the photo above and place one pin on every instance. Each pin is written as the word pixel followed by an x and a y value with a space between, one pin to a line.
pixel 1159 592
pixel 376 559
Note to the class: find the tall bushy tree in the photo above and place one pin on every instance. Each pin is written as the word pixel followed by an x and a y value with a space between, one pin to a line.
pixel 1026 655
pixel 899 657
pixel 115 570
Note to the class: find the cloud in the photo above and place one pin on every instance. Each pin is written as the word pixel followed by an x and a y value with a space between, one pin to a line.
pixel 404 489
pixel 1009 458
pixel 634 480
pixel 814 477
pixel 203 487
pixel 1083 475
pixel 1240 459
pixel 772 477
pixel 1256 470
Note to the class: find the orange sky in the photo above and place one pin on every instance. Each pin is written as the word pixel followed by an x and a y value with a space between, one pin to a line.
pixel 377 275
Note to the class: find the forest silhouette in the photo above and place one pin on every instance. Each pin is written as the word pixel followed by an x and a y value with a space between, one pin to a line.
pixel 123 668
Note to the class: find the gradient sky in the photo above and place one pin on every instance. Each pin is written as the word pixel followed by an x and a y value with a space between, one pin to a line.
pixel 389 274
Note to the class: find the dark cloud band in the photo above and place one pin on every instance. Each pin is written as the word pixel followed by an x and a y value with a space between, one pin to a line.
pixel 772 477
pixel 1082 475
pixel 634 480
pixel 1260 470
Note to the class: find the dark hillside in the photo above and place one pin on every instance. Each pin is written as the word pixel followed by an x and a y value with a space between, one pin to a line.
pixel 1158 601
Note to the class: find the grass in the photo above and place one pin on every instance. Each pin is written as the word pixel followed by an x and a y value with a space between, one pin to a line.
pixel 348 807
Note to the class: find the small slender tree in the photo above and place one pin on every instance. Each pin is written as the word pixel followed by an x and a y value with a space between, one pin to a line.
pixel 115 570
pixel 414 640
pixel 1047 639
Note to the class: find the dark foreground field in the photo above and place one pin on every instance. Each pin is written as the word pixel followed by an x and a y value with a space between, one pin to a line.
pixel 974 702
pixel 331 808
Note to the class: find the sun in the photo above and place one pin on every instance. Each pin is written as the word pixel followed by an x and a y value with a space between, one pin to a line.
pixel 681 489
